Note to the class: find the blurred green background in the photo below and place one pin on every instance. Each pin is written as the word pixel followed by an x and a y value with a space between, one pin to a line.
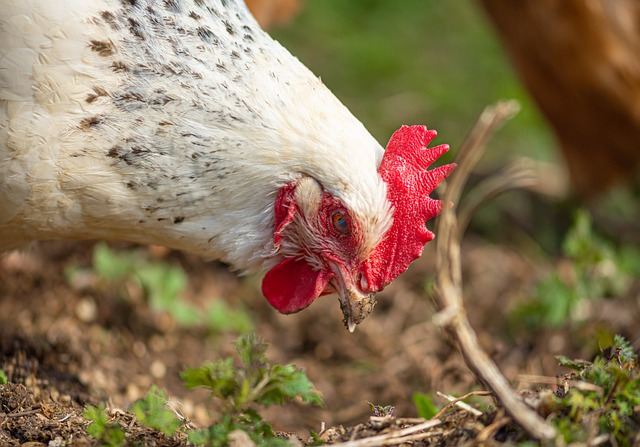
pixel 427 62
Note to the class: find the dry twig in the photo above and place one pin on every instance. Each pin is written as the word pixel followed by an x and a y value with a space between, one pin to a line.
pixel 560 382
pixel 519 174
pixel 452 315
pixel 396 437
pixel 489 432
pixel 457 401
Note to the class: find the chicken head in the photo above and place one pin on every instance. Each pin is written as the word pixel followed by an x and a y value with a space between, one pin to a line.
pixel 323 248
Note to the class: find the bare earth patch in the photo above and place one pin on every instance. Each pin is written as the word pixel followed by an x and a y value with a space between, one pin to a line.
pixel 64 345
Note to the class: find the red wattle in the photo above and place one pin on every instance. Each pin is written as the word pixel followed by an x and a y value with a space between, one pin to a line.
pixel 293 285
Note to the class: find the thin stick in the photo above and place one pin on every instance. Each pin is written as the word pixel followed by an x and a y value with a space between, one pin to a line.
pixel 395 437
pixel 488 432
pixel 457 401
pixel 23 413
pixel 453 315
pixel 559 381
pixel 519 174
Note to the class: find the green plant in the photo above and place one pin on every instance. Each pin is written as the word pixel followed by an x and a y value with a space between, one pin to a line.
pixel 425 406
pixel 240 388
pixel 109 434
pixel 596 269
pixel 163 285
pixel 3 377
pixel 610 405
pixel 222 318
pixel 161 282
pixel 381 410
pixel 152 411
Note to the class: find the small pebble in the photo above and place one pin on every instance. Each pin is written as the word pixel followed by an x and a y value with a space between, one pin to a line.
pixel 158 369
pixel 86 310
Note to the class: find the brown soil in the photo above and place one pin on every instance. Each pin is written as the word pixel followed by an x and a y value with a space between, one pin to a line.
pixel 65 344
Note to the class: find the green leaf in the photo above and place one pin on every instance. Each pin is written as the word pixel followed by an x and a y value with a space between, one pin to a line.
pixel 625 351
pixel 163 283
pixel 611 407
pixel 99 419
pixel 152 412
pixel 251 350
pixel 577 365
pixel 240 387
pixel 594 268
pixel 111 435
pixel 218 377
pixel 424 405
pixel 3 377
pixel 381 410
pixel 222 318
pixel 112 265
pixel 217 435
pixel 288 382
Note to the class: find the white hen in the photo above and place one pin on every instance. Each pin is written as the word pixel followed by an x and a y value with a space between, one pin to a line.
pixel 180 122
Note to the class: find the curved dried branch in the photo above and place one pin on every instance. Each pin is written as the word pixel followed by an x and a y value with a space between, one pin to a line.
pixel 452 315
pixel 519 174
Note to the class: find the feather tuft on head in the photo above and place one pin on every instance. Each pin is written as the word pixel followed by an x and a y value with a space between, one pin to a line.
pixel 409 184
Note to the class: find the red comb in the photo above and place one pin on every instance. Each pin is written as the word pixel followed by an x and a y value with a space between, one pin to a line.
pixel 409 184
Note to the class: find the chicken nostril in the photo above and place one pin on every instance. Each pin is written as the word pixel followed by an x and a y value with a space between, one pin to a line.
pixel 364 284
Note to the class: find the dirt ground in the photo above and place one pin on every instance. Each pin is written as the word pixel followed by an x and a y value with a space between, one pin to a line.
pixel 65 344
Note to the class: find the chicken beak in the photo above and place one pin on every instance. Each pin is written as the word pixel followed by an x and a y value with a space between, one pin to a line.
pixel 355 304
pixel 355 307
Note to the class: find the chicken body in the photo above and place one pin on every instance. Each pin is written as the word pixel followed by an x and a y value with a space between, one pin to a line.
pixel 579 59
pixel 180 122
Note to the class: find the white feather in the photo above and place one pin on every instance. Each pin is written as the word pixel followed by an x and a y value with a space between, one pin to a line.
pixel 170 122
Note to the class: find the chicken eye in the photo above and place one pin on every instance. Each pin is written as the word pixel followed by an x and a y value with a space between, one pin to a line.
pixel 340 222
